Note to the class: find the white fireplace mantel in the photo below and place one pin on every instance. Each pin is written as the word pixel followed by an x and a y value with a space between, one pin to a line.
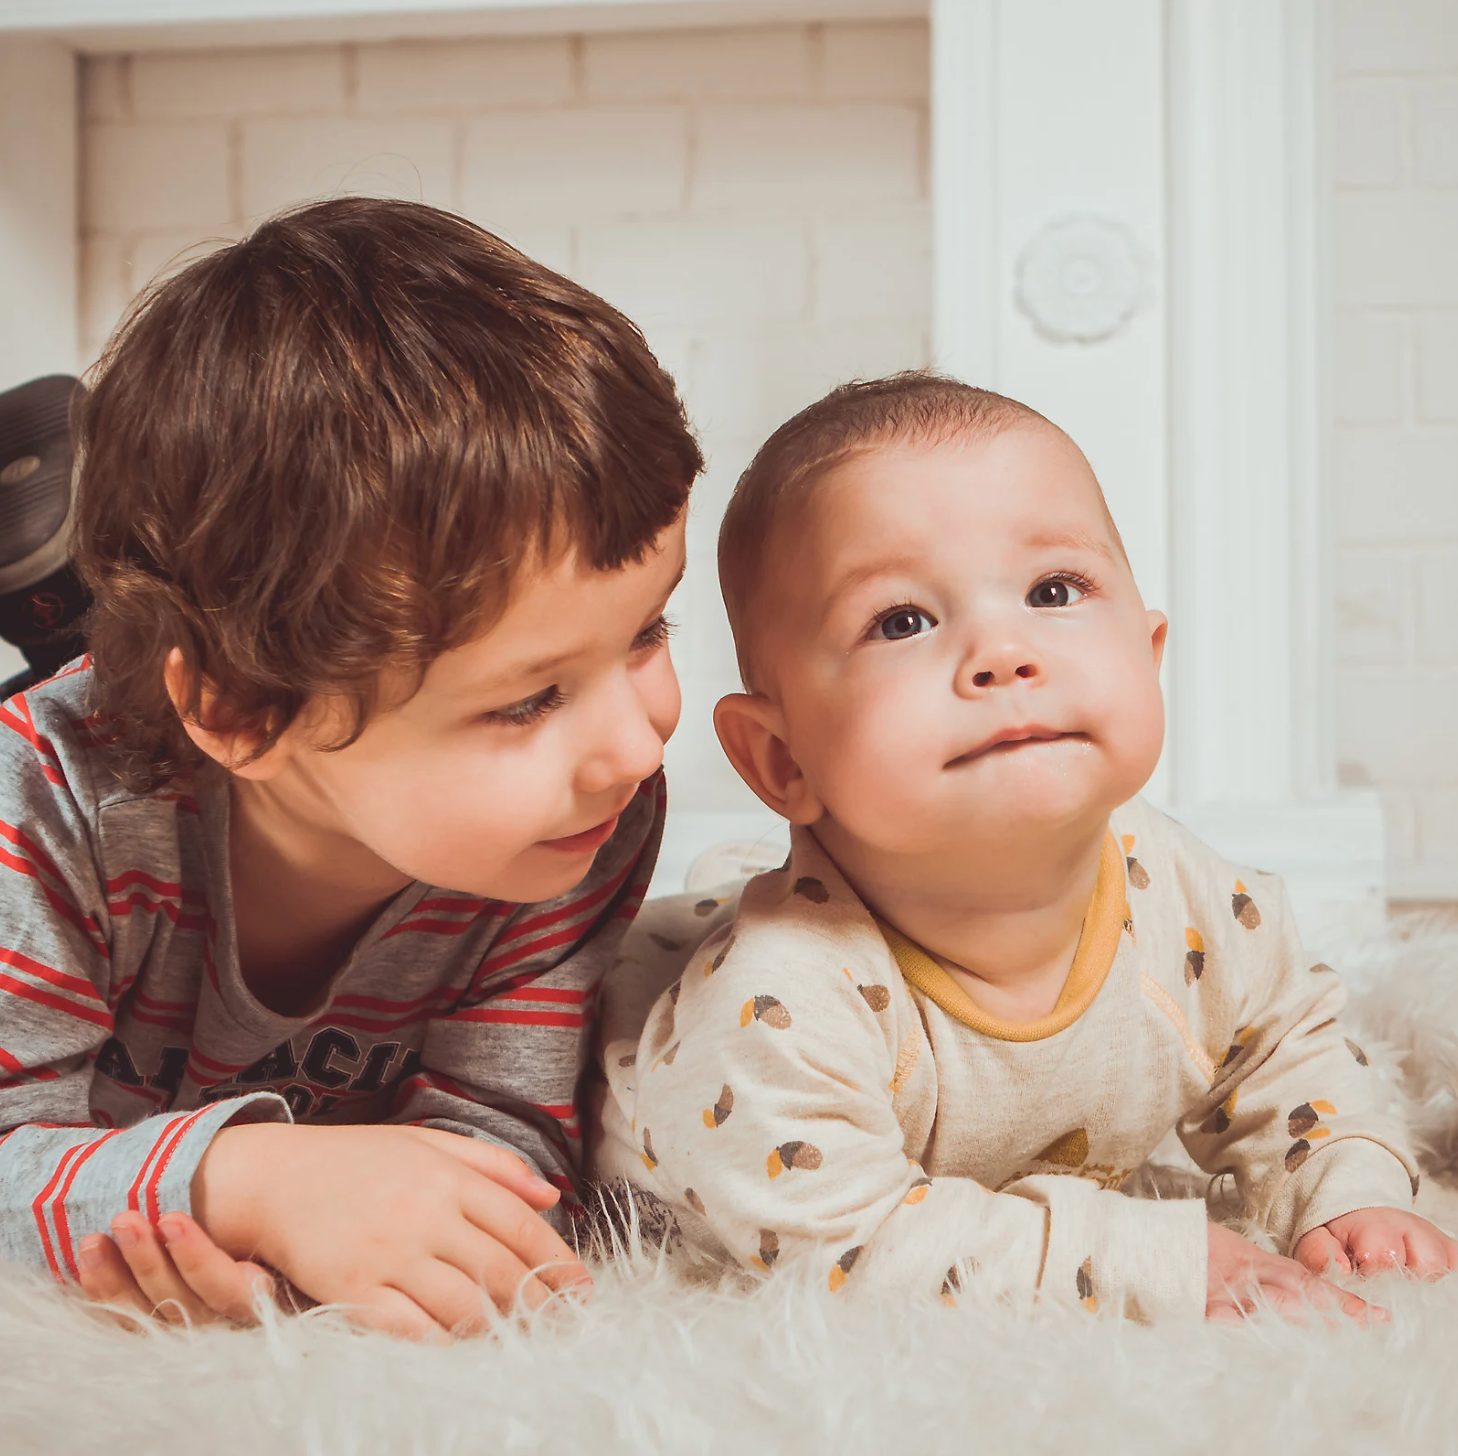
pixel 1128 201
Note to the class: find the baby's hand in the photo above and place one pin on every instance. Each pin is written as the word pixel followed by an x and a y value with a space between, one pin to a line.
pixel 174 1272
pixel 1241 1275
pixel 1373 1239
pixel 409 1226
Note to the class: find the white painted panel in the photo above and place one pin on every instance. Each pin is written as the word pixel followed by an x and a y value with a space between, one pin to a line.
pixel 38 234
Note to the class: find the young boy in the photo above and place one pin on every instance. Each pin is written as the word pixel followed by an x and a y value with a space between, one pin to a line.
pixel 314 865
pixel 988 981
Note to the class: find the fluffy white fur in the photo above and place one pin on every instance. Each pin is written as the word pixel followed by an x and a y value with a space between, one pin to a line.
pixel 656 1364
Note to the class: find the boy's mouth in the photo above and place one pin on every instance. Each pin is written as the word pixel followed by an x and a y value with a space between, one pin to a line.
pixel 585 842
pixel 1013 738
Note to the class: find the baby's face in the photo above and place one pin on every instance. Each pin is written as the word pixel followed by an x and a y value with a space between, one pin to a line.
pixel 958 648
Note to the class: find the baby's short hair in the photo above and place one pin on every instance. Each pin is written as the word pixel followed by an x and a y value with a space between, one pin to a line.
pixel 330 447
pixel 916 407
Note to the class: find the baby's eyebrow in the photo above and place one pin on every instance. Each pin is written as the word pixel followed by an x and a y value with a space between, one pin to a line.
pixel 858 576
pixel 1077 540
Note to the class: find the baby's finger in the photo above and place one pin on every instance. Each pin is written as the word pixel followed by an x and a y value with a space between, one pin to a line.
pixel 1321 1250
pixel 1375 1247
pixel 171 1300
pixel 1425 1253
pixel 228 1287
pixel 105 1278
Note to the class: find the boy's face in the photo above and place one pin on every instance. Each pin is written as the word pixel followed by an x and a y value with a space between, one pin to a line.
pixel 958 650
pixel 505 772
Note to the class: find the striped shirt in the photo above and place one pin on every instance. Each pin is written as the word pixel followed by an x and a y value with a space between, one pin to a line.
pixel 128 1037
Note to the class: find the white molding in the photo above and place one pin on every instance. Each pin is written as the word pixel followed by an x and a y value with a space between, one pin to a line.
pixel 39 294
pixel 117 25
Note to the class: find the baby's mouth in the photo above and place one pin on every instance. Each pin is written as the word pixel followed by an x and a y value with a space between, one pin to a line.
pixel 1012 740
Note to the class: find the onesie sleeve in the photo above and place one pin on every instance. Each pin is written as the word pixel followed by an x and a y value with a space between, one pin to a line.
pixel 764 1107
pixel 1295 1113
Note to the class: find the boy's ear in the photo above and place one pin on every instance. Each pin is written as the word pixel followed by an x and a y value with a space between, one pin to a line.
pixel 227 744
pixel 1158 631
pixel 752 732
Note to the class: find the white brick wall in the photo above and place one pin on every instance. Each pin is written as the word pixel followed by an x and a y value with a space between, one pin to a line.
pixel 754 198
pixel 1395 377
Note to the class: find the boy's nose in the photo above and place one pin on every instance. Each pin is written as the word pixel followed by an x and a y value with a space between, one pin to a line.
pixel 627 752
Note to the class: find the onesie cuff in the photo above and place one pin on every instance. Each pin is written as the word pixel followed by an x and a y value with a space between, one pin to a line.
pixel 1349 1174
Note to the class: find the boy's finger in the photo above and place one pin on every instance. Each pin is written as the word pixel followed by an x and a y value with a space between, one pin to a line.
pixel 228 1287
pixel 495 1211
pixel 105 1278
pixel 492 1162
pixel 171 1300
pixel 394 1313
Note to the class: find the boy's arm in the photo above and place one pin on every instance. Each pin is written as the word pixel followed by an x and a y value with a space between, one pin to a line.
pixel 762 1103
pixel 1295 1114
pixel 62 1177
pixel 506 1063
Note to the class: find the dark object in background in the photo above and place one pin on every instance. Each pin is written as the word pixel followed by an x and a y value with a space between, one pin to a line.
pixel 42 604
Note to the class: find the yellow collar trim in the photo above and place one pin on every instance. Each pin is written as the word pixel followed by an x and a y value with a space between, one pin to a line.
pixel 1097 946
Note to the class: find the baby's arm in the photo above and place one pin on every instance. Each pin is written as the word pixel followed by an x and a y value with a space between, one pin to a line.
pixel 764 1102
pixel 1294 1114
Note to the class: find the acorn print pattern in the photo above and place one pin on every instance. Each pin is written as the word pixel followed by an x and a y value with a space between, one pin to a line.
pixel 694 1202
pixel 666 1060
pixel 1084 1282
pixel 663 942
pixel 1244 908
pixel 1242 1040
pixel 1321 966
pixel 1068 1151
pixel 1194 956
pixel 793 1154
pixel 649 1161
pixel 718 1114
pixel 1357 1052
pixel 1219 1120
pixel 1138 875
pixel 918 1190
pixel 710 966
pixel 877 997
pixel 706 907
pixel 769 1250
pixel 628 1061
pixel 1303 1124
pixel 842 1267
pixel 768 1009
pixel 812 889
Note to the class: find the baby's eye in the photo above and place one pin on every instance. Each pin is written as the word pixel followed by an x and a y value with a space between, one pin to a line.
pixel 903 622
pixel 1057 591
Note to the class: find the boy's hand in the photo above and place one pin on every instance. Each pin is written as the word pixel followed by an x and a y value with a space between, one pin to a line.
pixel 411 1226
pixel 1241 1276
pixel 180 1276
pixel 1373 1239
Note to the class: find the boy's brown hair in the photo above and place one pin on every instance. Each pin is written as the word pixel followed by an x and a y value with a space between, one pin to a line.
pixel 917 407
pixel 330 447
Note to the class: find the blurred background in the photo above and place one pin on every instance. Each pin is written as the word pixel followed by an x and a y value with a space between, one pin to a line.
pixel 1217 240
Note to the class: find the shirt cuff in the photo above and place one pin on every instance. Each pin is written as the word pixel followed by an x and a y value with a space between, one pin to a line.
pixel 1348 1174
pixel 167 1187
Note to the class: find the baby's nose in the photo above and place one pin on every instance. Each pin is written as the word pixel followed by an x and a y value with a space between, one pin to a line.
pixel 988 677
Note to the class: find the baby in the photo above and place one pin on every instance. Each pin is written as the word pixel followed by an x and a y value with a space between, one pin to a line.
pixel 989 980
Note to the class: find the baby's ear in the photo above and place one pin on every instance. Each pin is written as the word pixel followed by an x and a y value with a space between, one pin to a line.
pixel 1158 631
pixel 208 724
pixel 751 730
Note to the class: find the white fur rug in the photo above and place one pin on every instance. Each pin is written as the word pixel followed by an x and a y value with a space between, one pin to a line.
pixel 653 1364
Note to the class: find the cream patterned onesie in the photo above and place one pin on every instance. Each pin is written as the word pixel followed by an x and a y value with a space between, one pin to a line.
pixel 815 1087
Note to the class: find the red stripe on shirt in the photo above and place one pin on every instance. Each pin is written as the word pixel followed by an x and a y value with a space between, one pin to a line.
pixel 63 906
pixel 529 992
pixel 500 1016
pixel 165 1157
pixel 565 912
pixel 58 1206
pixel 38 1209
pixel 27 992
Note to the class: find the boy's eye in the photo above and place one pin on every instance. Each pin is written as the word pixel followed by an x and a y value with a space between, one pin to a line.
pixel 655 634
pixel 528 710
pixel 903 622
pixel 1057 591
